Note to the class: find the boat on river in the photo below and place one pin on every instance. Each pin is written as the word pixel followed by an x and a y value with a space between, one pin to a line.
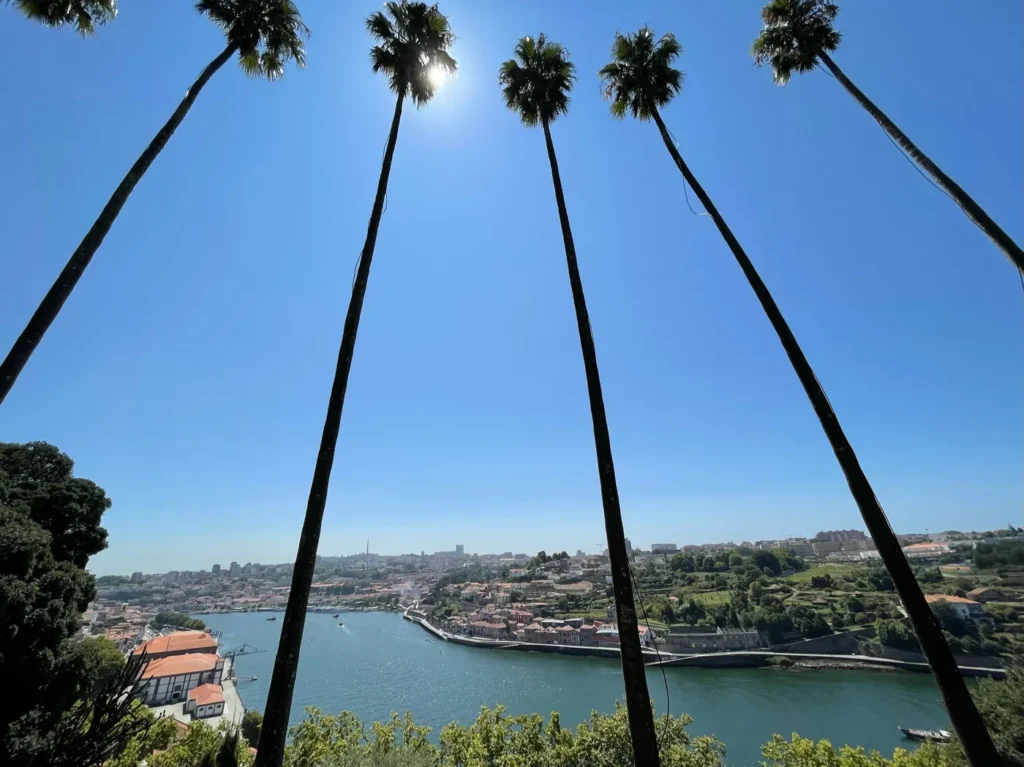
pixel 341 623
pixel 935 736
pixel 336 615
pixel 272 618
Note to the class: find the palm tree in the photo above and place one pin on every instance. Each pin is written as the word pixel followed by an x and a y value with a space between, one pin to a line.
pixel 412 52
pixel 84 14
pixel 797 35
pixel 640 80
pixel 265 34
pixel 536 85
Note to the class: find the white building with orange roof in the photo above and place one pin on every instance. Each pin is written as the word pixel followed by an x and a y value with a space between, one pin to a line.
pixel 169 679
pixel 967 609
pixel 205 701
pixel 178 643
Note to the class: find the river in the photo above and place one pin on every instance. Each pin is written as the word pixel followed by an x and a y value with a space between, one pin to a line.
pixel 378 663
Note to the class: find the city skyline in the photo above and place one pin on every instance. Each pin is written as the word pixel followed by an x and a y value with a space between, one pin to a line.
pixel 232 566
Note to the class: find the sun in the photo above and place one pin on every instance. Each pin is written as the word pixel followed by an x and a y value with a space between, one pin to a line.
pixel 437 75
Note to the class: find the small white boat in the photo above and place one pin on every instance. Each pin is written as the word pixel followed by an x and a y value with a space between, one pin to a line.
pixel 936 736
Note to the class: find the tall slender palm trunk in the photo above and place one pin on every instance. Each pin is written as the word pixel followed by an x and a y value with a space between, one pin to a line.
pixel 61 289
pixel 962 711
pixel 282 682
pixel 948 185
pixel 638 699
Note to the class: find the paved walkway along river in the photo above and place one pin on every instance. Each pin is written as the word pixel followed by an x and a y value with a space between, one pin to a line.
pixel 378 663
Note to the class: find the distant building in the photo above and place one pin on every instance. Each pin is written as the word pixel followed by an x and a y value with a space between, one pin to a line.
pixel 988 594
pixel 136 577
pixel 926 550
pixel 821 548
pixel 168 680
pixel 629 546
pixel 234 570
pixel 967 609
pixel 215 569
pixel 689 639
pixel 488 630
pixel 664 548
pixel 178 643
pixel 840 536
pixel 460 550
pixel 205 701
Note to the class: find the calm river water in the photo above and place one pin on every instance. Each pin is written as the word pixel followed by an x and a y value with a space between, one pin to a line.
pixel 378 663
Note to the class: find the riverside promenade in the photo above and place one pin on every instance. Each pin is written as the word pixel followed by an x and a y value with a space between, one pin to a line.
pixel 728 659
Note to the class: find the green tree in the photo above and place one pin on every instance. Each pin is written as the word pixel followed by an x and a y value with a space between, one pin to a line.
pixel 735 560
pixel 39 483
pixel 40 603
pixel 100 659
pixel 892 633
pixel 265 34
pixel 804 752
pixel 252 722
pixel 798 35
pixel 84 15
pixel 177 620
pixel 641 80
pixel 536 85
pixel 412 43
pixel 822 582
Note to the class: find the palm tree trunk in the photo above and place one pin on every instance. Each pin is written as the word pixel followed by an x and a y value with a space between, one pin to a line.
pixel 638 699
pixel 61 289
pixel 962 712
pixel 948 185
pixel 282 682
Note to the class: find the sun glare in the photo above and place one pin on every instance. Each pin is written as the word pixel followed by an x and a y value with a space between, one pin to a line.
pixel 437 76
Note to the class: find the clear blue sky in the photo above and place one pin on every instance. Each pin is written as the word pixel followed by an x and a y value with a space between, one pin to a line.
pixel 188 374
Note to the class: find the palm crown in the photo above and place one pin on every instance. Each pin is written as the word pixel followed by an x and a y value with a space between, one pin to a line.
pixel 84 14
pixel 536 83
pixel 795 32
pixel 266 33
pixel 641 77
pixel 412 39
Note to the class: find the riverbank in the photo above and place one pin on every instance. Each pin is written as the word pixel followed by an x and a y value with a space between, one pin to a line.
pixel 733 659
pixel 378 663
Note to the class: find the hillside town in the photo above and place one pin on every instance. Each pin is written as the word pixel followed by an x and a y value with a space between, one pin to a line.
pixel 706 597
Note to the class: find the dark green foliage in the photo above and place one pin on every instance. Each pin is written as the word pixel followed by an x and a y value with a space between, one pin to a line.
pixel 252 722
pixel 177 620
pixel 767 560
pixel 536 83
pixel 100 659
pixel 987 556
pixel 1002 707
pixel 794 33
pixel 412 39
pixel 822 582
pixel 49 526
pixel 266 33
pixel 682 563
pixel 103 724
pixel 85 15
pixel 641 77
pixel 39 483
pixel 893 633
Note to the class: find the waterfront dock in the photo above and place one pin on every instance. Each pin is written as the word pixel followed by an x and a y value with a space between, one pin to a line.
pixel 728 659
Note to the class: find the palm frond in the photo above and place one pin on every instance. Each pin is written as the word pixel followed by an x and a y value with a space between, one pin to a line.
pixel 537 82
pixel 84 15
pixel 266 33
pixel 640 77
pixel 411 39
pixel 794 33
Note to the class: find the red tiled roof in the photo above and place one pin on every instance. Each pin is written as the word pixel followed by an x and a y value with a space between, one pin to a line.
pixel 932 598
pixel 174 665
pixel 205 694
pixel 179 641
